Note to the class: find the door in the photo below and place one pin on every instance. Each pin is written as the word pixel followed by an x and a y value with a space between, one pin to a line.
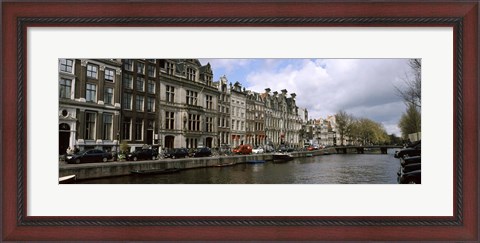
pixel 149 137
pixel 63 138
pixel 169 141
pixel 209 142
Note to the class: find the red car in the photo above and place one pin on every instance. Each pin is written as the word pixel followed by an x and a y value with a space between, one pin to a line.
pixel 243 149
pixel 310 148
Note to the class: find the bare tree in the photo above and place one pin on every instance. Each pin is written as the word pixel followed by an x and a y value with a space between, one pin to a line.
pixel 411 91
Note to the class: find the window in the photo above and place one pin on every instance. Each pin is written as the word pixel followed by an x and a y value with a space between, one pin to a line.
pixel 109 74
pixel 65 88
pixel 191 74
pixel 108 96
pixel 92 71
pixel 139 103
pixel 140 84
pixel 193 122
pixel 107 126
pixel 170 68
pixel 138 129
pixel 128 65
pixel 127 81
pixel 191 97
pixel 91 93
pixel 150 104
pixel 140 68
pixel 169 120
pixel 127 125
pixel 170 93
pixel 90 125
pixel 151 71
pixel 151 86
pixel 66 65
pixel 209 101
pixel 209 124
pixel 208 80
pixel 127 101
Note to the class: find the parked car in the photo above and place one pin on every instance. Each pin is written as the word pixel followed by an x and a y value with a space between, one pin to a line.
pixel 89 156
pixel 413 177
pixel 257 150
pixel 143 154
pixel 284 149
pixel 176 153
pixel 268 149
pixel 416 150
pixel 243 149
pixel 311 148
pixel 202 152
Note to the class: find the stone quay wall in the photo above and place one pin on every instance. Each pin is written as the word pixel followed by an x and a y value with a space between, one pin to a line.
pixel 120 168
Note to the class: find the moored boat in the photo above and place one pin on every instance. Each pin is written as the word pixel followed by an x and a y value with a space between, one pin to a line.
pixel 281 157
pixel 70 179
pixel 155 171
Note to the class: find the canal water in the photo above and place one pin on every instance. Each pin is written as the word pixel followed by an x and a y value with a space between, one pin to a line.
pixel 324 169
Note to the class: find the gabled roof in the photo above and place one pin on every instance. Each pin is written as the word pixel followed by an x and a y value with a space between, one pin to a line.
pixel 206 69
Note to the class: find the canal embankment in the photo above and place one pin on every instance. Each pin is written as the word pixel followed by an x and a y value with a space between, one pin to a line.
pixel 121 168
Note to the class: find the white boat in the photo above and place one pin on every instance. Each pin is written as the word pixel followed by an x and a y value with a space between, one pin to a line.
pixel 70 179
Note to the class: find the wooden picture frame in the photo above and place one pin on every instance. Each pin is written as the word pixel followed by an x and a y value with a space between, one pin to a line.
pixel 18 16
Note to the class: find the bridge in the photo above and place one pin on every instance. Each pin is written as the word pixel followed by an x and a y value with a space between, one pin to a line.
pixel 361 149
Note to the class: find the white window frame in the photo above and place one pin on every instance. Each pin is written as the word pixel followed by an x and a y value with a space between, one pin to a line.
pixel 92 69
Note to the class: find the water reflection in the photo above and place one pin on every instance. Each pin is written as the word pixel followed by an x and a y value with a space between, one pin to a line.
pixel 329 169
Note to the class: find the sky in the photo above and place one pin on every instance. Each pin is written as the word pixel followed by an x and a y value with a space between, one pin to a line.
pixel 364 88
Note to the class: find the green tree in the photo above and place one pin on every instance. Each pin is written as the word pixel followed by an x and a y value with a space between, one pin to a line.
pixel 411 121
pixel 365 131
pixel 124 147
pixel 344 122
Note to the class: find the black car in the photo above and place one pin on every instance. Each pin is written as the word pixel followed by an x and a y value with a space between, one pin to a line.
pixel 284 149
pixel 176 153
pixel 416 150
pixel 89 156
pixel 143 154
pixel 202 152
pixel 413 177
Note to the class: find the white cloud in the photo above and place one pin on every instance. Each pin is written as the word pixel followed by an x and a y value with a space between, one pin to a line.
pixel 363 87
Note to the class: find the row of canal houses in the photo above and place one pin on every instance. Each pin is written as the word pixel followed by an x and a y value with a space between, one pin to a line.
pixel 167 103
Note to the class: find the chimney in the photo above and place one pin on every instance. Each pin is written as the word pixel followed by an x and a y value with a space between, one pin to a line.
pixel 267 90
pixel 284 91
pixel 293 95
